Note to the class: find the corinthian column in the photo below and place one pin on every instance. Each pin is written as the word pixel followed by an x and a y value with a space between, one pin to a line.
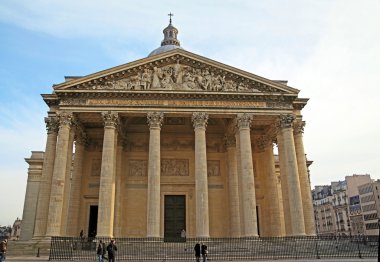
pixel 201 186
pixel 307 203
pixel 233 187
pixel 248 181
pixel 46 178
pixel 288 167
pixel 154 170
pixel 107 176
pixel 58 181
pixel 76 184
pixel 275 222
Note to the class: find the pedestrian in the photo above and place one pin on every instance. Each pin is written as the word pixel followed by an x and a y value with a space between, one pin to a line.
pixel 81 234
pixel 3 249
pixel 197 249
pixel 204 252
pixel 111 249
pixel 183 235
pixel 101 251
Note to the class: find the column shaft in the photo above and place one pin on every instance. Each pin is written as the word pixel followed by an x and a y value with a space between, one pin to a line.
pixel 248 183
pixel 307 202
pixel 59 175
pixel 118 202
pixel 233 188
pixel 75 192
pixel 273 204
pixel 46 178
pixel 240 183
pixel 107 177
pixel 66 191
pixel 154 171
pixel 201 184
pixel 292 178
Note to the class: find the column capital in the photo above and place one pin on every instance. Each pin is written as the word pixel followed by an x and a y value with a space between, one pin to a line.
pixel 52 124
pixel 285 121
pixel 65 118
pixel 230 141
pixel 262 143
pixel 81 137
pixel 155 119
pixel 299 126
pixel 244 120
pixel 110 119
pixel 199 119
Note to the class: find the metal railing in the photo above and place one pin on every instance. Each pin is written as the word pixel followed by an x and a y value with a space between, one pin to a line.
pixel 219 249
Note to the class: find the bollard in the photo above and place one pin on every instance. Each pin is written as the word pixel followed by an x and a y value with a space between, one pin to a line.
pixel 38 252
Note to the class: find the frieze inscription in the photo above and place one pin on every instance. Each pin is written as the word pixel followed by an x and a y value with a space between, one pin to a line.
pixel 178 103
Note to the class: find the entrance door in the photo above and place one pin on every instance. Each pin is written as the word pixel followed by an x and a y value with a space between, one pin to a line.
pixel 174 217
pixel 93 221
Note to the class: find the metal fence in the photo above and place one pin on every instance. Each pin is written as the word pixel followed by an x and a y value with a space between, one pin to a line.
pixel 219 249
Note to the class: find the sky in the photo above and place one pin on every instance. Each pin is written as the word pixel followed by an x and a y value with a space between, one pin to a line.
pixel 328 49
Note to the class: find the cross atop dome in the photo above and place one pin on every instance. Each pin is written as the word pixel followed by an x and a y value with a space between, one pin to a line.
pixel 170 20
pixel 170 41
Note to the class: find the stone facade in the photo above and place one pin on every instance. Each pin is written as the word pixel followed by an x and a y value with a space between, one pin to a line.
pixel 172 124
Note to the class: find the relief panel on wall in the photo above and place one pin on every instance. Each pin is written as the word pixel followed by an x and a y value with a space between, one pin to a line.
pixel 96 167
pixel 174 167
pixel 213 168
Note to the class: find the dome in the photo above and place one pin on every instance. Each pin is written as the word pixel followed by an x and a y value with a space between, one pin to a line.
pixel 170 41
pixel 164 48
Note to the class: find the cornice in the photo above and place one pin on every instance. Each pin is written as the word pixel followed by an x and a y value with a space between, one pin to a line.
pixel 300 103
pixel 288 98
pixel 50 99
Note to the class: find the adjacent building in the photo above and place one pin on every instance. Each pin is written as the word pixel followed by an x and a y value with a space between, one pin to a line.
pixel 349 207
pixel 370 205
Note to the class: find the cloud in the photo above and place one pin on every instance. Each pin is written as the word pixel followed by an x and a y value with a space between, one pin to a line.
pixel 340 78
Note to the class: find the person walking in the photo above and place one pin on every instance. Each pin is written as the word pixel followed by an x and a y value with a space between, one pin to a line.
pixel 204 252
pixel 3 249
pixel 101 251
pixel 111 249
pixel 197 250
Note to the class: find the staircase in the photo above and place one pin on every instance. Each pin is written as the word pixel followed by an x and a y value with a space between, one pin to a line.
pixel 28 248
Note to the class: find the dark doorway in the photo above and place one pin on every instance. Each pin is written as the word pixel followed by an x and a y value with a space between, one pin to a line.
pixel 93 221
pixel 258 220
pixel 174 217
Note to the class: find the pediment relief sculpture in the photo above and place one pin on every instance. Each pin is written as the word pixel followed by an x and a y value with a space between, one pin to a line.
pixel 178 77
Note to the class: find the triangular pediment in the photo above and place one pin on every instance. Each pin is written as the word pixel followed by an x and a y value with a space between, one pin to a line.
pixel 176 70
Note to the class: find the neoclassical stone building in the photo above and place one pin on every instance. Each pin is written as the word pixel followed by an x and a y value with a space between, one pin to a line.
pixel 169 142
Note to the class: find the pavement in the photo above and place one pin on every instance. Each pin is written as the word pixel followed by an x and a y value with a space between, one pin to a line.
pixel 46 258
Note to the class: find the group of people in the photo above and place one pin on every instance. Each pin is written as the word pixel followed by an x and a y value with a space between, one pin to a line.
pixel 102 250
pixel 3 249
pixel 200 249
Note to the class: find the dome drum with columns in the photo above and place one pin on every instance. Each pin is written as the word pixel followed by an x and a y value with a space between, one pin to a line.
pixel 169 142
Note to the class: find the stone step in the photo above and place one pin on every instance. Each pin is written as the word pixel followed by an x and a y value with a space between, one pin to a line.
pixel 28 248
